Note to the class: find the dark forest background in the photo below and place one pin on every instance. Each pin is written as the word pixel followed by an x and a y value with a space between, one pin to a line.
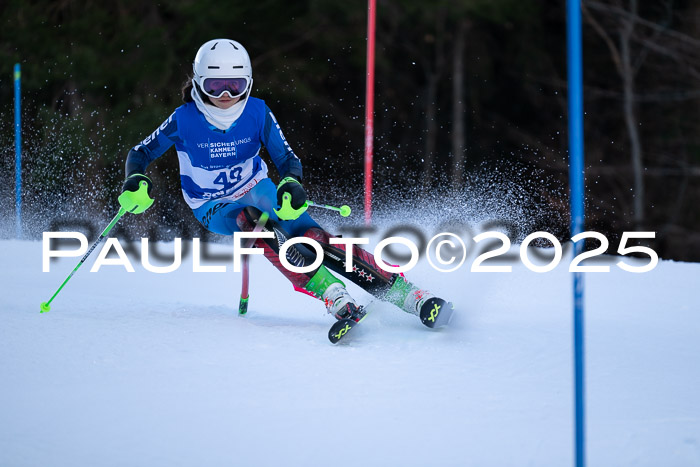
pixel 463 87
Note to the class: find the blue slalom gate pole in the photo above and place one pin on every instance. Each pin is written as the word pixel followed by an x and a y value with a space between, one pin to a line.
pixel 18 154
pixel 576 184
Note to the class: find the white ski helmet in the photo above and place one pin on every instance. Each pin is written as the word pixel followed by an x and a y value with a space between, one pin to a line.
pixel 223 65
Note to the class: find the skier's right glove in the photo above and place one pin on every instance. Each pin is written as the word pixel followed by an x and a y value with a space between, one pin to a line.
pixel 136 194
pixel 291 197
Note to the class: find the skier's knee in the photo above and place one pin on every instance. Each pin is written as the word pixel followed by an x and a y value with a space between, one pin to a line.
pixel 248 218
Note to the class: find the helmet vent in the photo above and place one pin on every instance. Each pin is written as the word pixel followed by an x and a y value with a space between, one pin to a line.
pixel 213 67
pixel 235 66
pixel 233 45
pixel 214 46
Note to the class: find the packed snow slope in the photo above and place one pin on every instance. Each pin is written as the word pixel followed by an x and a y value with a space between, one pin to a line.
pixel 145 369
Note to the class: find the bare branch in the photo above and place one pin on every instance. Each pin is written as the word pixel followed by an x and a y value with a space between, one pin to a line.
pixel 653 38
pixel 670 53
pixel 691 41
pixel 614 53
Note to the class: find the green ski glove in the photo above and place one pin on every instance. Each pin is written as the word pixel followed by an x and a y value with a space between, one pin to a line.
pixel 291 197
pixel 136 194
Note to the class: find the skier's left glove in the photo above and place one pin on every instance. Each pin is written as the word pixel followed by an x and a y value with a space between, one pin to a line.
pixel 136 193
pixel 291 197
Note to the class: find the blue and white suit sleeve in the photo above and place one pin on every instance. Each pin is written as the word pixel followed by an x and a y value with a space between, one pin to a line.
pixel 154 146
pixel 280 151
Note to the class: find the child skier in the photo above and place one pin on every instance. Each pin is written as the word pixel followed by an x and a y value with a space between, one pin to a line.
pixel 218 134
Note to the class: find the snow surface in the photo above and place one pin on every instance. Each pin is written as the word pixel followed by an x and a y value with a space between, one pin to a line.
pixel 145 369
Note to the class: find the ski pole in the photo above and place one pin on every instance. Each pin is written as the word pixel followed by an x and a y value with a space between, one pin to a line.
pixel 46 306
pixel 344 210
pixel 243 303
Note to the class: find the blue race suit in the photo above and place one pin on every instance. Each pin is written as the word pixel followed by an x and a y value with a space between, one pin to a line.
pixel 221 171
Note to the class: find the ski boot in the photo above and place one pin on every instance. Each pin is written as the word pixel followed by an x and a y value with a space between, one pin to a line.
pixel 433 311
pixel 340 304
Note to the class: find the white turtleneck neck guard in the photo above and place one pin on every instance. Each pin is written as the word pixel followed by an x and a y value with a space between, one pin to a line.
pixel 220 118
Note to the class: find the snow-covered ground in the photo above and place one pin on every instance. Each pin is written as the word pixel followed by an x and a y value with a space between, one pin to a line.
pixel 145 369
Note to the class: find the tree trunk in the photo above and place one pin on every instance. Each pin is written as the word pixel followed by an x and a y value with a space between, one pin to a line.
pixel 630 115
pixel 458 107
pixel 430 130
pixel 434 74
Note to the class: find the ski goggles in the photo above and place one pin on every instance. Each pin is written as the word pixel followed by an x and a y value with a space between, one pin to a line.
pixel 216 87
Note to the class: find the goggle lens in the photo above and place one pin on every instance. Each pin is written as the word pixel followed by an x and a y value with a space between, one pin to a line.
pixel 215 87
